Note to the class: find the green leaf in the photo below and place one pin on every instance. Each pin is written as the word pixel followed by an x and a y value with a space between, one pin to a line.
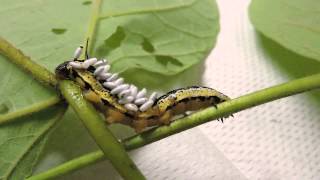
pixel 22 142
pixel 165 37
pixel 292 23
pixel 29 26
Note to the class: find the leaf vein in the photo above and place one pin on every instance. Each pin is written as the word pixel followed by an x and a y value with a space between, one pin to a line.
pixel 144 11
pixel 163 21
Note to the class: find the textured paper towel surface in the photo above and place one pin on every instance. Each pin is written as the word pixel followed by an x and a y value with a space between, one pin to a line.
pixel 278 140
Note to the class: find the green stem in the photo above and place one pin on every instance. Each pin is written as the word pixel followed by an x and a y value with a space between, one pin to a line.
pixel 13 54
pixel 224 109
pixel 92 120
pixel 10 117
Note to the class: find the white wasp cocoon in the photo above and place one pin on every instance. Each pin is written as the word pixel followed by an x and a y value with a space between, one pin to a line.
pixel 140 101
pixel 120 88
pixel 141 93
pixel 99 71
pixel 89 62
pixel 104 76
pixel 113 77
pixel 100 63
pixel 106 68
pixel 134 90
pixel 109 85
pixel 129 98
pixel 77 52
pixel 131 107
pixel 76 65
pixel 126 100
pixel 125 93
pixel 146 105
pixel 153 96
pixel 118 81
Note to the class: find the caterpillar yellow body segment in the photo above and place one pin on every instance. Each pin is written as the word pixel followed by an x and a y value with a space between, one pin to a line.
pixel 190 98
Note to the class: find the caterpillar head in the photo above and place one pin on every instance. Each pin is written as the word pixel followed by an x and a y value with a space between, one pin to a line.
pixel 64 71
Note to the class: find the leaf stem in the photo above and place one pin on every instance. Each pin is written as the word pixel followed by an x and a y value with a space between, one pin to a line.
pixel 10 117
pixel 70 166
pixel 92 120
pixel 224 109
pixel 13 54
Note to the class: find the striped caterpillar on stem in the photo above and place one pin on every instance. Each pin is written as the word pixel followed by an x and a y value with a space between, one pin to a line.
pixel 124 103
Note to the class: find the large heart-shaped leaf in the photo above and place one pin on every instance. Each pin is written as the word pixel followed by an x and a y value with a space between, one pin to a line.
pixel 165 37
pixel 295 24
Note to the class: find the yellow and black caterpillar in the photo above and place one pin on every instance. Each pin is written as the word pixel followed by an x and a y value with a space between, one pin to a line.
pixel 123 103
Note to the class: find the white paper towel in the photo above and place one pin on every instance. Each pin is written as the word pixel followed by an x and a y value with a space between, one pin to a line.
pixel 278 140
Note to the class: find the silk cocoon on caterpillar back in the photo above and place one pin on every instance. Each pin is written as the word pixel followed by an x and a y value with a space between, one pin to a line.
pixel 124 103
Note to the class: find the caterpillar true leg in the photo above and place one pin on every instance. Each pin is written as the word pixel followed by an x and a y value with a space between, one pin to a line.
pixel 139 125
pixel 166 117
pixel 114 116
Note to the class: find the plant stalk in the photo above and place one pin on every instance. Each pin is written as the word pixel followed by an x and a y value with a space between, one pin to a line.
pixel 40 73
